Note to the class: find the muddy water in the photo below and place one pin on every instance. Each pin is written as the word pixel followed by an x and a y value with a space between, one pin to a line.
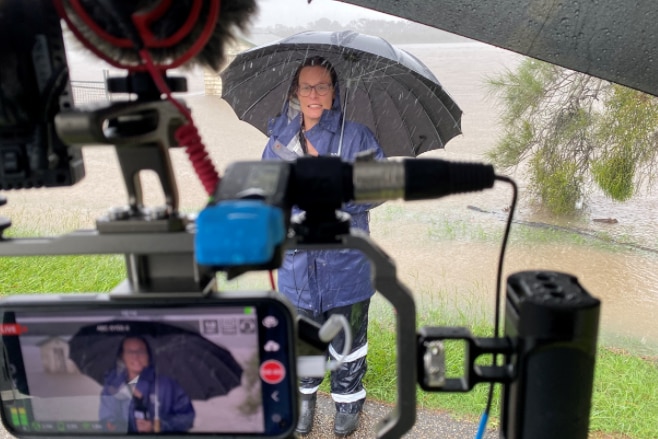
pixel 434 263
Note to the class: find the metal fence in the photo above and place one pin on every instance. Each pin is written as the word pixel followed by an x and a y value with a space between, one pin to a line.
pixel 85 92
pixel 90 92
pixel 94 92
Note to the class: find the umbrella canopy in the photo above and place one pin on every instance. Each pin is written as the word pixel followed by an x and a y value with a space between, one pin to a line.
pixel 202 368
pixel 383 87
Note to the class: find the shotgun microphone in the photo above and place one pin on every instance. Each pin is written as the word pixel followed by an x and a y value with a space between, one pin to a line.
pixel 173 32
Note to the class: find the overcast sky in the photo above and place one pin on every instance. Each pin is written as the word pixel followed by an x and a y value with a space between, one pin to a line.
pixel 292 12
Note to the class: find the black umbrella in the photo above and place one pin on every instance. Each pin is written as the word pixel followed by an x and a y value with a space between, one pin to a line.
pixel 383 87
pixel 202 368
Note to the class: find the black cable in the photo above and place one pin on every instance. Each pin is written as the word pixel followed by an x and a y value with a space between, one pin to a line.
pixel 302 140
pixel 499 282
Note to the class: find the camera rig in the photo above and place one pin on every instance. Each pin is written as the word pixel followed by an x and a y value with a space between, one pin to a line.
pixel 551 322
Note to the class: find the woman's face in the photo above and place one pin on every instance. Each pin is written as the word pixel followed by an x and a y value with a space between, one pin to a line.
pixel 135 356
pixel 314 104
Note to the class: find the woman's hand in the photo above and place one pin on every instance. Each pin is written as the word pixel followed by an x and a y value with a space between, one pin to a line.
pixel 144 426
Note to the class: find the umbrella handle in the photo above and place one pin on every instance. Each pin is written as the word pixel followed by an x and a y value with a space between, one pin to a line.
pixel 157 426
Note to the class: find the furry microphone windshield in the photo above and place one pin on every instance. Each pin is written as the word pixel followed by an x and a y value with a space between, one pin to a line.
pixel 174 32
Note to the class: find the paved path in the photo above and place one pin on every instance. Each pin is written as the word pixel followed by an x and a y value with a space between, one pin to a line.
pixel 429 423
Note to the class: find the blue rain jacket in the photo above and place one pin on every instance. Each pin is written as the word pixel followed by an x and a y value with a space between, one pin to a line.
pixel 118 406
pixel 319 280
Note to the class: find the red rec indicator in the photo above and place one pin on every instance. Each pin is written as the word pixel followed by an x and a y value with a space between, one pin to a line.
pixel 12 329
pixel 272 372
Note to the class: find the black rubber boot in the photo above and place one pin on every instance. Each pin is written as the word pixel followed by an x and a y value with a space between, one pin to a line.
pixel 306 413
pixel 347 416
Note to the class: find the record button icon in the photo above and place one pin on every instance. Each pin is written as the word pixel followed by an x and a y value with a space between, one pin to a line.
pixel 272 372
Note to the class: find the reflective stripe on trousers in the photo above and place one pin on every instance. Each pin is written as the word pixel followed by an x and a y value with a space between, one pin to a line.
pixel 346 381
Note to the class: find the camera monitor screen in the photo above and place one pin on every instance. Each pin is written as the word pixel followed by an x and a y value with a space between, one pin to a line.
pixel 218 369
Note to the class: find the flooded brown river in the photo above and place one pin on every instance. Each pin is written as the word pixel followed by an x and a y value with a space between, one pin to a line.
pixel 450 252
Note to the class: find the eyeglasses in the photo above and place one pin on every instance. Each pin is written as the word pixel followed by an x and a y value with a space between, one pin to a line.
pixel 320 89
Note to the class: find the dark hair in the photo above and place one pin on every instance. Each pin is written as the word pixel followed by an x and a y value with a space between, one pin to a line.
pixel 313 61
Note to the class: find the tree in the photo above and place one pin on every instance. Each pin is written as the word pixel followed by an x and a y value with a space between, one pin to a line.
pixel 572 132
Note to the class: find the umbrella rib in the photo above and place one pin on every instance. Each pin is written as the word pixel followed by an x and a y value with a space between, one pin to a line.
pixel 164 340
pixel 386 65
pixel 407 127
pixel 406 123
pixel 390 98
pixel 437 90
pixel 261 98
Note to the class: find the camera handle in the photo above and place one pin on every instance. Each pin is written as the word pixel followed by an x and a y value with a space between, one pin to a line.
pixel 142 133
pixel 549 348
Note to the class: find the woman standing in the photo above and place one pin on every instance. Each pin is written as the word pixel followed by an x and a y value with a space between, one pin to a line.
pixel 321 283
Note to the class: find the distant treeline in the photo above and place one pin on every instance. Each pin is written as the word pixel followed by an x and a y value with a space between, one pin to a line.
pixel 395 32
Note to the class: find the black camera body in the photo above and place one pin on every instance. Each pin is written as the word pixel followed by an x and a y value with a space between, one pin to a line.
pixel 548 353
pixel 34 88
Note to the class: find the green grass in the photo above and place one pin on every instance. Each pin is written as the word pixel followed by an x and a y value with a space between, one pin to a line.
pixel 625 396
pixel 389 212
pixel 447 229
pixel 255 281
pixel 60 274
pixel 380 379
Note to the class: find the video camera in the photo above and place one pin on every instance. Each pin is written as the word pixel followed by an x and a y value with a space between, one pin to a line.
pixel 58 349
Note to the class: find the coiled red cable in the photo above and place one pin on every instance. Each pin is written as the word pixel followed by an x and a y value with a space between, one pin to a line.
pixel 189 135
